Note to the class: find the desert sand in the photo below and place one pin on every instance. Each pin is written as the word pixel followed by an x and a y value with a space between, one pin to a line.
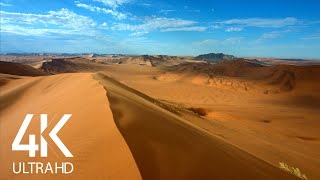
pixel 99 150
pixel 172 118
pixel 281 125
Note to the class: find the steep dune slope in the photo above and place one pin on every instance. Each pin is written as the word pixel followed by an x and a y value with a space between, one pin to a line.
pixel 71 65
pixel 280 125
pixel 166 147
pixel 5 78
pixel 91 135
pixel 274 127
pixel 19 69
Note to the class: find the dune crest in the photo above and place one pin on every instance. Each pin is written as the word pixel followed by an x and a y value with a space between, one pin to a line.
pixel 166 147
pixel 99 150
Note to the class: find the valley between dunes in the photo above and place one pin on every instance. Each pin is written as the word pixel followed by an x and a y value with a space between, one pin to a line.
pixel 180 121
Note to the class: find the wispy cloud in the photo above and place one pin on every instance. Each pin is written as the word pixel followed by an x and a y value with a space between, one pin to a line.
pixel 104 25
pixel 4 4
pixel 216 26
pixel 206 42
pixel 156 23
pixel 312 37
pixel 189 9
pixel 227 41
pixel 63 21
pixel 233 40
pixel 139 33
pixel 261 22
pixel 113 3
pixel 166 11
pixel 63 17
pixel 273 35
pixel 145 4
pixel 112 12
pixel 192 28
pixel 29 31
pixel 232 29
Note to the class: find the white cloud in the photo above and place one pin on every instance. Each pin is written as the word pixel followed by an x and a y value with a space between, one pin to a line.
pixel 166 11
pixel 113 3
pixel 312 37
pixel 189 9
pixel 261 22
pixel 211 42
pixel 233 40
pixel 63 21
pixel 270 35
pixel 154 23
pixel 113 12
pixel 232 29
pixel 4 4
pixel 206 42
pixel 63 17
pixel 194 10
pixel 192 28
pixel 216 26
pixel 29 31
pixel 145 4
pixel 273 35
pixel 139 33
pixel 104 26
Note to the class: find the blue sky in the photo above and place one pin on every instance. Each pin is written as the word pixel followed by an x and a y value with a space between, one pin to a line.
pixel 264 28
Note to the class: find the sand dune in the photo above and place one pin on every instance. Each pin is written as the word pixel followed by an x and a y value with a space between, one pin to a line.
pixel 19 69
pixel 165 147
pixel 164 118
pixel 5 78
pixel 247 76
pixel 71 65
pixel 162 144
pixel 144 60
pixel 275 126
pixel 275 61
pixel 91 135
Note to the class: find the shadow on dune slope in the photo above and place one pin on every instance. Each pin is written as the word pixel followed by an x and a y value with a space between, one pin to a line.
pixel 165 147
pixel 71 65
pixel 19 69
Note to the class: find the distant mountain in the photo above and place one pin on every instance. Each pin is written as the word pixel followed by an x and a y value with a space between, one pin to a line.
pixel 215 57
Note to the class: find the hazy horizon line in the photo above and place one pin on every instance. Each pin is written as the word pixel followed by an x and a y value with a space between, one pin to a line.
pixel 70 53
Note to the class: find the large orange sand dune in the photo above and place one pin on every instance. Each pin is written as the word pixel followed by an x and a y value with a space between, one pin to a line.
pixel 91 135
pixel 162 145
